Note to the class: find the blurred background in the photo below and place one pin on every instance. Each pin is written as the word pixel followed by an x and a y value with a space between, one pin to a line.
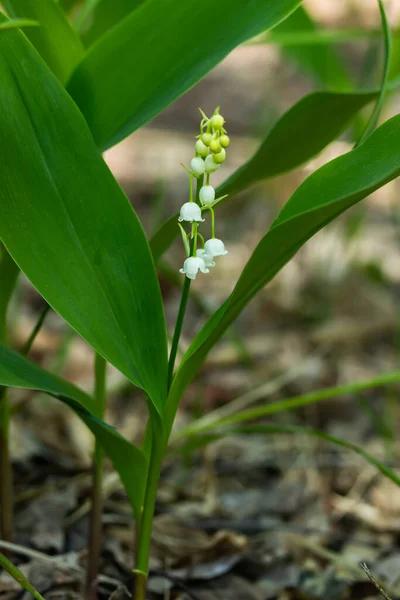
pixel 331 316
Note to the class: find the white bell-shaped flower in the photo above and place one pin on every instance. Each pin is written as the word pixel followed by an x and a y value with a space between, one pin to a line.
pixel 210 164
pixel 215 247
pixel 198 165
pixel 207 259
pixel 190 211
pixel 192 266
pixel 207 195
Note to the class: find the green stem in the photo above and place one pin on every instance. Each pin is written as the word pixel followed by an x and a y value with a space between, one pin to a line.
pixel 146 525
pixel 183 303
pixel 373 121
pixel 178 329
pixel 28 344
pixel 212 222
pixel 8 277
pixel 100 367
pixel 191 189
pixel 140 586
pixel 6 511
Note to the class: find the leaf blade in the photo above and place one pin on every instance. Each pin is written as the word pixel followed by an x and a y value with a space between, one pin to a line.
pixel 55 39
pixel 88 254
pixel 190 48
pixel 129 461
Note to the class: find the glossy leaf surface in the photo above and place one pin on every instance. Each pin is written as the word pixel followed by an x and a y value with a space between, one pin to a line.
pixel 157 53
pixel 55 39
pixel 68 225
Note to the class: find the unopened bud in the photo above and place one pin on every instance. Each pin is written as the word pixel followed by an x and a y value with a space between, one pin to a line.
pixel 206 138
pixel 201 148
pixel 217 122
pixel 224 140
pixel 215 147
pixel 220 157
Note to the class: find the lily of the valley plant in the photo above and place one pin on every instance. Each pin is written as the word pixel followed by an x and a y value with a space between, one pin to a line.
pixel 70 89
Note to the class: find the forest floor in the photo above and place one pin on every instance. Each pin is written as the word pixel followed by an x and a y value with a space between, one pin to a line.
pixel 255 517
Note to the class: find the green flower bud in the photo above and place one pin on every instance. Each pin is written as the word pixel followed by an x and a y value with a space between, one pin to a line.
pixel 220 157
pixel 224 140
pixel 206 138
pixel 201 148
pixel 215 147
pixel 217 122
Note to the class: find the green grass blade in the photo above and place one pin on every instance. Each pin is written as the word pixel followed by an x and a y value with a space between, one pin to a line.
pixel 316 37
pixel 104 17
pixel 387 36
pixel 55 39
pixel 297 430
pixel 323 64
pixel 322 197
pixel 88 255
pixel 19 577
pixel 128 461
pixel 301 133
pixel 159 52
pixel 207 424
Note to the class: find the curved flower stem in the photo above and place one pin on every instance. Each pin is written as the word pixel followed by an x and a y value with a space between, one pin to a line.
pixel 146 525
pixel 178 329
pixel 28 344
pixel 191 199
pixel 182 305
pixel 212 222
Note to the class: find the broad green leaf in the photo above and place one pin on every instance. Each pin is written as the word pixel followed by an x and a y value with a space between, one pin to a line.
pixel 106 15
pixel 19 577
pixel 8 277
pixel 70 228
pixel 323 64
pixel 301 133
pixel 128 461
pixel 157 53
pixel 322 197
pixel 55 40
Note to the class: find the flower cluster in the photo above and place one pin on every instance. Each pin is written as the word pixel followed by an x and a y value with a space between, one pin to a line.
pixel 210 153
